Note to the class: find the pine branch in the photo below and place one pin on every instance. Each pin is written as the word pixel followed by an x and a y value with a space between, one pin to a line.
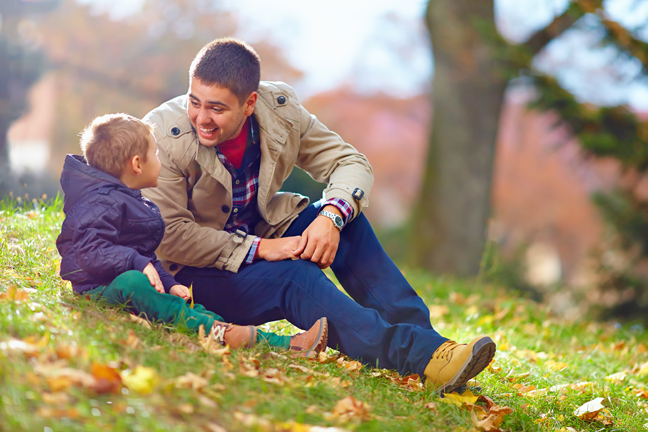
pixel 616 34
pixel 559 25
pixel 603 132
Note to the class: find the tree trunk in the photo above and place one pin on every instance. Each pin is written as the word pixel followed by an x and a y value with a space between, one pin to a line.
pixel 451 218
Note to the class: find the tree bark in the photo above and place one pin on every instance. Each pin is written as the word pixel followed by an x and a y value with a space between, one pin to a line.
pixel 450 221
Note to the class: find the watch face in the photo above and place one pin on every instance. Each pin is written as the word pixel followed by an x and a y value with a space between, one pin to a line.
pixel 338 221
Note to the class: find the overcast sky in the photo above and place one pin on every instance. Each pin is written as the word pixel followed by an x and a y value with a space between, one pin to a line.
pixel 382 44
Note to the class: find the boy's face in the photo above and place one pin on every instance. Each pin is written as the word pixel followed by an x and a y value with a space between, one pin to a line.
pixel 152 167
pixel 216 113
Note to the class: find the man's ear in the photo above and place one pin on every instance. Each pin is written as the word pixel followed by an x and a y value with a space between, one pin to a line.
pixel 250 103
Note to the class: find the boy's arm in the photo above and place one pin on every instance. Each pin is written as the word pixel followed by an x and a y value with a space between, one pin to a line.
pixel 99 254
pixel 167 280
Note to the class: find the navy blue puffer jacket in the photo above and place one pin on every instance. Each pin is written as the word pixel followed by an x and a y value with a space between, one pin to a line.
pixel 108 228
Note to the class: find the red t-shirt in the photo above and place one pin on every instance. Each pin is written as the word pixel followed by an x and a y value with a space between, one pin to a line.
pixel 234 149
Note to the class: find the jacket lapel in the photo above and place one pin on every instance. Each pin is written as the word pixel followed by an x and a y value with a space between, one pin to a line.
pixel 274 131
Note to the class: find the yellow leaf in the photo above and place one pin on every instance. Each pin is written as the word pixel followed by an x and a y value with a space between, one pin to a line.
pixel 643 369
pixel 141 379
pixel 191 295
pixel 556 366
pixel 467 398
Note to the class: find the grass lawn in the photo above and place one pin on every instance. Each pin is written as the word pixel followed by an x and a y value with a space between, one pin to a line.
pixel 67 364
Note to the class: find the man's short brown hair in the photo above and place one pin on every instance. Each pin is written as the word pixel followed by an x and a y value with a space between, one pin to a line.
pixel 229 63
pixel 112 140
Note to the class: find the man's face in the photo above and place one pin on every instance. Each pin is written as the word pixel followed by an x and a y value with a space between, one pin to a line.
pixel 216 113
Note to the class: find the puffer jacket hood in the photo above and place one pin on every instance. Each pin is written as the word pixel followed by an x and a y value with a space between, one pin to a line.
pixel 80 179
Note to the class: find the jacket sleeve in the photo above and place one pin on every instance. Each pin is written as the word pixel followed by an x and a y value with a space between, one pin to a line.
pixel 167 280
pixel 328 159
pixel 185 241
pixel 98 252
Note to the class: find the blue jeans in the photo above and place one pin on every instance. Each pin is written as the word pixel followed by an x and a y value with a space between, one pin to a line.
pixel 385 325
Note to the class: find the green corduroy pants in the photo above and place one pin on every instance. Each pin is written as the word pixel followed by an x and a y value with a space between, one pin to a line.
pixel 133 290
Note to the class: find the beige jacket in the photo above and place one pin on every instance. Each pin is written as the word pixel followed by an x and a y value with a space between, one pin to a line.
pixel 194 193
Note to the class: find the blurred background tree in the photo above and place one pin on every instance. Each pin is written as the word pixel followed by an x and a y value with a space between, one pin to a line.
pixel 474 65
pixel 21 61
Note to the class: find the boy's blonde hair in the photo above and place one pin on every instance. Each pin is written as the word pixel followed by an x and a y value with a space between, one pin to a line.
pixel 112 140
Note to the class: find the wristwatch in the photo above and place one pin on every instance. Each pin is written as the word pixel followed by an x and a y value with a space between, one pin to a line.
pixel 337 220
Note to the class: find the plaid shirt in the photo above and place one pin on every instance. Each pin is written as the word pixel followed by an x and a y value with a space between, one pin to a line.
pixel 245 185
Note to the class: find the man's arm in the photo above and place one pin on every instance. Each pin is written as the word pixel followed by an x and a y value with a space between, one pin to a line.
pixel 349 177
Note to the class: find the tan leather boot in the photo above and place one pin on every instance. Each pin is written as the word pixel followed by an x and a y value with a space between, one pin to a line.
pixel 234 335
pixel 310 343
pixel 453 364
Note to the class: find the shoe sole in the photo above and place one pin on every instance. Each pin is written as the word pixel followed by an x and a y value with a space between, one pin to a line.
pixel 320 342
pixel 482 354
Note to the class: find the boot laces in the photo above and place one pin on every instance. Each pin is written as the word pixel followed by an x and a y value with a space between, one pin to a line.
pixel 445 350
pixel 219 333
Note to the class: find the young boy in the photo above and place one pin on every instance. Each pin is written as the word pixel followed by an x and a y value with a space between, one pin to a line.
pixel 110 233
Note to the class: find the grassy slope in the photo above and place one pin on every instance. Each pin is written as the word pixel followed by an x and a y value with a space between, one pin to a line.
pixel 258 390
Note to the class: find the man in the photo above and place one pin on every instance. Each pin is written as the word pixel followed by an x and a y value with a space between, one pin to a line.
pixel 254 254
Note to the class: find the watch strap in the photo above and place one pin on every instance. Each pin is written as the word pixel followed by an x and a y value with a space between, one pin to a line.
pixel 337 219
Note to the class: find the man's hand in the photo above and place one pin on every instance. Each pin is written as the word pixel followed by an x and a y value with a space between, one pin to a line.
pixel 279 249
pixel 153 277
pixel 319 242
pixel 180 291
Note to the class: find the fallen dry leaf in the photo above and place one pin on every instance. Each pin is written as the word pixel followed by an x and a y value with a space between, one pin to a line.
pixel 616 378
pixel 107 379
pixel 14 293
pixel 562 388
pixel 48 412
pixel 252 421
pixel 191 381
pixel 60 378
pixel 139 320
pixel 132 340
pixel 66 351
pixel 213 427
pixel 349 365
pixel 454 398
pixel 590 410
pixel 432 407
pixel 58 398
pixel 248 370
pixel 18 346
pixel 141 379
pixel 438 311
pixel 350 408
pixel 274 376
pixel 493 418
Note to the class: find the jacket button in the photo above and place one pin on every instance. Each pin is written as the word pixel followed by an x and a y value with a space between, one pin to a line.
pixel 173 267
pixel 281 100
pixel 225 209
pixel 175 131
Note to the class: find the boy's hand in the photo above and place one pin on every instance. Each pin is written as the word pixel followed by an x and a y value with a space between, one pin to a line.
pixel 153 277
pixel 180 291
